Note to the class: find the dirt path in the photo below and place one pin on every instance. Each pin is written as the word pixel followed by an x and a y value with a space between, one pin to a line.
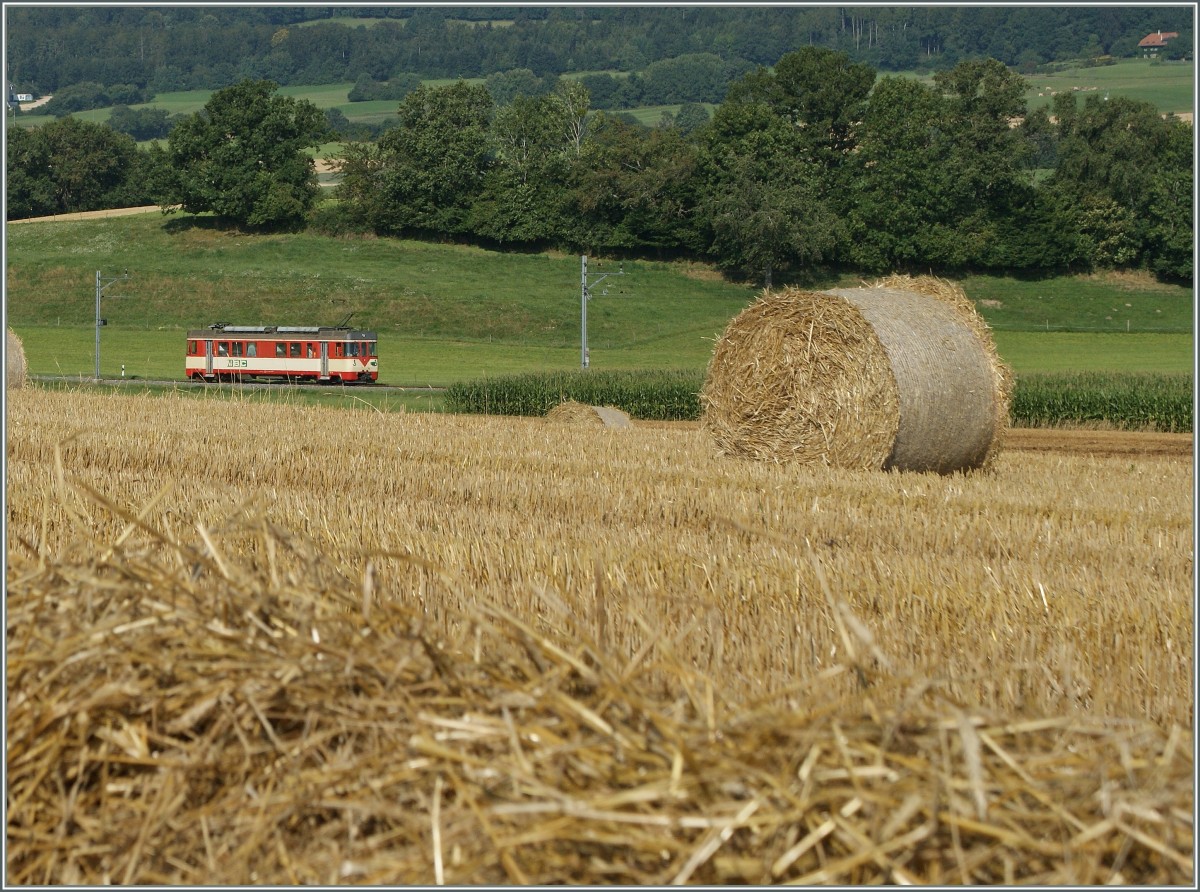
pixel 88 215
pixel 1083 442
pixel 1095 442
pixel 322 165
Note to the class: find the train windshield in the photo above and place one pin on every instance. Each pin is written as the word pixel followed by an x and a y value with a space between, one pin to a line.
pixel 360 348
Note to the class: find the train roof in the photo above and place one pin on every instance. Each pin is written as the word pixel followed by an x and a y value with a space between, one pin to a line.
pixel 226 328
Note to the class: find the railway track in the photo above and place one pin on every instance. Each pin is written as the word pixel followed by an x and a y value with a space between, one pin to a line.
pixel 246 385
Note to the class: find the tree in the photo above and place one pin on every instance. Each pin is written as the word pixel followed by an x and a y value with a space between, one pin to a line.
pixel 763 221
pixel 895 203
pixel 505 86
pixel 1121 153
pixel 142 124
pixel 772 155
pixel 691 117
pixel 71 165
pixel 522 199
pixel 242 158
pixel 635 188
pixel 821 93
pixel 432 164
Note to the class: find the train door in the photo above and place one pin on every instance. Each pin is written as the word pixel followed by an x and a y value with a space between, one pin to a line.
pixel 324 359
pixel 208 356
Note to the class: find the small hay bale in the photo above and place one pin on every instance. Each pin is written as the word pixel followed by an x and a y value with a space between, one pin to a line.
pixel 14 357
pixel 901 374
pixel 571 412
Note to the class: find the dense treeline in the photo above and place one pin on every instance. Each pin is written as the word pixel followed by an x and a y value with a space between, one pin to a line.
pixel 159 49
pixel 813 162
pixel 809 163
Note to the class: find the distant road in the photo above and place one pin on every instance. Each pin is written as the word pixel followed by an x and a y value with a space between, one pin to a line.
pixel 88 215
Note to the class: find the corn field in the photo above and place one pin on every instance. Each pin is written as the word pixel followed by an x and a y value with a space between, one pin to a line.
pixel 1121 401
pixel 649 395
pixel 262 643
pixel 1127 401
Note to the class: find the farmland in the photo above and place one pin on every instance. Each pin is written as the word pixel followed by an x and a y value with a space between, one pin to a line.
pixel 407 647
pixel 296 643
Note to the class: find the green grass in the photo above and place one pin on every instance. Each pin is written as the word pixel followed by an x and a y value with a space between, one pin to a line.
pixel 1108 303
pixel 348 21
pixel 1166 85
pixel 449 313
pixel 339 397
pixel 1035 352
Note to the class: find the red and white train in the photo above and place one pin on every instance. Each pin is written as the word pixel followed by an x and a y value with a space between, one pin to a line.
pixel 325 354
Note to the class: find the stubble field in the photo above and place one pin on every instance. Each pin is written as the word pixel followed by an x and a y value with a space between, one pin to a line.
pixel 264 643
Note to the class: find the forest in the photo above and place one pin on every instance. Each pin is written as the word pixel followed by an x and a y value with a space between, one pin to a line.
pixel 161 49
pixel 814 157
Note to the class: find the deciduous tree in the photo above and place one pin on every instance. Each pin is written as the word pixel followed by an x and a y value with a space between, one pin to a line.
pixel 242 158
pixel 433 163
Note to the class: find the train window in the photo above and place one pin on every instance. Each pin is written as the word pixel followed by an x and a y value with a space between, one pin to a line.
pixel 312 351
pixel 294 349
pixel 280 348
pixel 352 348
pixel 222 348
pixel 252 349
pixel 370 348
pixel 237 348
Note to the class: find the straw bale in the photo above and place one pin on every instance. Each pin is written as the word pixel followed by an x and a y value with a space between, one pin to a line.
pixel 234 708
pixel 572 412
pixel 14 357
pixel 901 374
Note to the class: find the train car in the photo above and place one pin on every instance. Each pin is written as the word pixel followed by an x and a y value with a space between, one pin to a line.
pixel 324 354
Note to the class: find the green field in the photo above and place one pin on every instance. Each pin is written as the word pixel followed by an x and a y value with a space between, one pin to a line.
pixel 447 313
pixel 1169 86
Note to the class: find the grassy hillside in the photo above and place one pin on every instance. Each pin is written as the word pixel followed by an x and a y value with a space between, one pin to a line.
pixel 1167 85
pixel 449 312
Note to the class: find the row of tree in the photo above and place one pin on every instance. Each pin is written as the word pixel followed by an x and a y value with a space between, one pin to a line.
pixel 169 48
pixel 811 162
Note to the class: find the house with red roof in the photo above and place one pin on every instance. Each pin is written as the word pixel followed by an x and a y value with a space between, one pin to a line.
pixel 1152 43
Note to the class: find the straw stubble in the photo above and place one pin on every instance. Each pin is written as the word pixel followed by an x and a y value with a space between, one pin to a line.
pixel 520 653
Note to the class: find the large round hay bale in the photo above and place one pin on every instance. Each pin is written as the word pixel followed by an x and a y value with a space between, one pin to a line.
pixel 572 412
pixel 901 374
pixel 14 357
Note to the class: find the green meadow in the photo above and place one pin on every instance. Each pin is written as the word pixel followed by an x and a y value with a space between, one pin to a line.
pixel 1169 86
pixel 449 313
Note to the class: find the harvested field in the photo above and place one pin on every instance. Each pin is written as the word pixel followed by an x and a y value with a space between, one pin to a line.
pixel 412 649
